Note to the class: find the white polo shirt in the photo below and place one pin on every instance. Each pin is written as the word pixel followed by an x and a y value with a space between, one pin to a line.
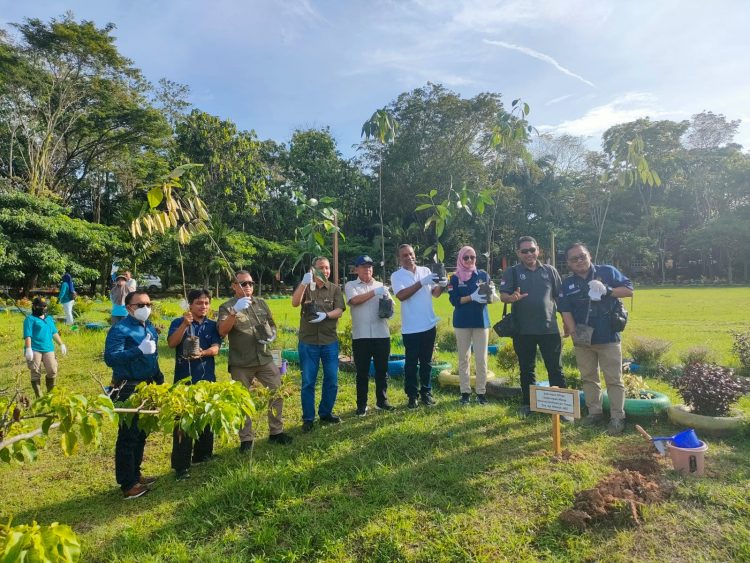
pixel 417 314
pixel 365 320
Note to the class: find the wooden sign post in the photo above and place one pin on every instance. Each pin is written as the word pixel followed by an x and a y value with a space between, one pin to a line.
pixel 555 401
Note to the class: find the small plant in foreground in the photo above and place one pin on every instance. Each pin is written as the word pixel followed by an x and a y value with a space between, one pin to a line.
pixel 635 387
pixel 55 542
pixel 710 389
pixel 741 348
pixel 647 351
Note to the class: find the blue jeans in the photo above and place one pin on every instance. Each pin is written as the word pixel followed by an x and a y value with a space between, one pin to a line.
pixel 310 358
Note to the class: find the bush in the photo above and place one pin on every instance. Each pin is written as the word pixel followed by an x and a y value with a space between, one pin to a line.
pixel 82 306
pixel 345 338
pixel 54 307
pixel 506 358
pixel 573 379
pixel 741 348
pixel 710 389
pixel 635 387
pixel 446 338
pixel 569 357
pixel 697 355
pixel 647 351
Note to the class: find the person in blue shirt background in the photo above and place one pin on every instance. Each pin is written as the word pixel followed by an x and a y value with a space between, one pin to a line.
pixel 117 295
pixel 198 367
pixel 471 322
pixel 39 331
pixel 131 351
pixel 67 297
pixel 588 298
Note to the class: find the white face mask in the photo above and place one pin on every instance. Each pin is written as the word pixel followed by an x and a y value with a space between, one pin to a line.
pixel 142 314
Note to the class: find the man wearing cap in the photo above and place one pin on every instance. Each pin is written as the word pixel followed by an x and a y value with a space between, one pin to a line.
pixel 322 306
pixel 39 332
pixel 371 339
pixel 249 354
pixel 415 287
pixel 117 295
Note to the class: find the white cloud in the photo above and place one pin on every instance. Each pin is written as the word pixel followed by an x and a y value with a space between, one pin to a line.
pixel 541 56
pixel 557 100
pixel 491 15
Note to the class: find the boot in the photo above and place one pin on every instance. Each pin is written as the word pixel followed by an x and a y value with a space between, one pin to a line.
pixel 50 384
pixel 37 387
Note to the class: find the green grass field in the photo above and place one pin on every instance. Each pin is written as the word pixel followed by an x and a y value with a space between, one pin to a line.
pixel 440 484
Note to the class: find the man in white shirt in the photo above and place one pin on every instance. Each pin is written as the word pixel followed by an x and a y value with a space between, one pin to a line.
pixel 371 338
pixel 415 286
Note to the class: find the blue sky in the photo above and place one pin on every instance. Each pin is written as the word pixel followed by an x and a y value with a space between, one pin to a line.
pixel 582 65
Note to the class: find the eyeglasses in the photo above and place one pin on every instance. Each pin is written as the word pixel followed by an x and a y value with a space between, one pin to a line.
pixel 141 305
pixel 531 250
pixel 467 258
pixel 246 283
pixel 579 258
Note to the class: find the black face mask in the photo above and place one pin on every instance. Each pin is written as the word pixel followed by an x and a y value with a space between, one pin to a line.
pixel 38 311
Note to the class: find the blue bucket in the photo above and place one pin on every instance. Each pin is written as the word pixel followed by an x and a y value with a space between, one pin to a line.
pixel 687 439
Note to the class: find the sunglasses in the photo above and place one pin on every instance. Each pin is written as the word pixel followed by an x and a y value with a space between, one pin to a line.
pixel 527 250
pixel 579 258
pixel 246 283
pixel 141 305
pixel 467 258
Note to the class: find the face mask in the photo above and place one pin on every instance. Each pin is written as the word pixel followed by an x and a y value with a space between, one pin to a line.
pixel 142 314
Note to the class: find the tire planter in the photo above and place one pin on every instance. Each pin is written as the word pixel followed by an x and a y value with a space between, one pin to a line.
pixel 290 355
pixel 437 367
pixel 642 408
pixel 498 387
pixel 713 425
pixel 96 326
pixel 492 349
pixel 447 378
pixel 395 366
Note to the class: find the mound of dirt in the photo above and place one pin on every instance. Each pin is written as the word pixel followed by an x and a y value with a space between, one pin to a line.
pixel 645 465
pixel 617 497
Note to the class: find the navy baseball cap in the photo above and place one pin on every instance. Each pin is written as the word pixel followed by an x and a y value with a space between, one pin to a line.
pixel 364 259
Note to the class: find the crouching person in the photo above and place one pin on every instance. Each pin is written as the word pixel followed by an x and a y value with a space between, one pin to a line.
pixel 196 340
pixel 131 351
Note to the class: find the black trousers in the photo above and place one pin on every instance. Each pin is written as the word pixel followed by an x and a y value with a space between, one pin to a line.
pixel 184 448
pixel 550 345
pixel 418 347
pixel 377 349
pixel 129 447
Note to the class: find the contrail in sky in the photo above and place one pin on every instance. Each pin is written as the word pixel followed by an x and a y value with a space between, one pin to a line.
pixel 541 57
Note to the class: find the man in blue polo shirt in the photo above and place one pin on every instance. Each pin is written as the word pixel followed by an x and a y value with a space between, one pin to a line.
pixel 39 331
pixel 588 298
pixel 131 351
pixel 197 363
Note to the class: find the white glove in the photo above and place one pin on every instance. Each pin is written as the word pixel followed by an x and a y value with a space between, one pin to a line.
pixel 273 337
pixel 476 297
pixel 29 354
pixel 147 346
pixel 320 318
pixel 443 282
pixel 307 278
pixel 429 279
pixel 242 304
pixel 380 291
pixel 596 290
pixel 63 349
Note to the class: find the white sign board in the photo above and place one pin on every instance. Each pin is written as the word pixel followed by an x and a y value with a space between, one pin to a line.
pixel 554 400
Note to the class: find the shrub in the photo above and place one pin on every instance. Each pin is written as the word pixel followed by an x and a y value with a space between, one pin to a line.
pixel 573 379
pixel 647 351
pixel 697 355
pixel 82 306
pixel 569 357
pixel 54 307
pixel 446 338
pixel 741 348
pixel 506 358
pixel 345 338
pixel 635 387
pixel 710 389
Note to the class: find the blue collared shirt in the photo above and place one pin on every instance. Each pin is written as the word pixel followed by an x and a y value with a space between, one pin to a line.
pixel 203 369
pixel 574 298
pixel 122 354
pixel 41 331
pixel 471 314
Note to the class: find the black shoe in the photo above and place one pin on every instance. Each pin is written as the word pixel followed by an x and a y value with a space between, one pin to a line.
pixel 481 399
pixel 427 400
pixel 182 475
pixel 330 419
pixel 465 399
pixel 362 411
pixel 413 403
pixel 307 425
pixel 280 438
pixel 385 407
pixel 246 447
pixel 524 411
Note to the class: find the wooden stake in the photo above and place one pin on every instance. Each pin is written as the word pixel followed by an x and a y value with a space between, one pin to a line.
pixel 556 434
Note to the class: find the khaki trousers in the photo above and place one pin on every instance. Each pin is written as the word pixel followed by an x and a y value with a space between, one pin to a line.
pixel 479 337
pixel 269 376
pixel 50 366
pixel 608 358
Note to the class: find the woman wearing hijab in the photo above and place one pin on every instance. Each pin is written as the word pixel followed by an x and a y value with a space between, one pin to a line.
pixel 471 321
pixel 67 297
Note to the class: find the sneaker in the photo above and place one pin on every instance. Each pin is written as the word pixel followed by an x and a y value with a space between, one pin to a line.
pixel 616 427
pixel 361 411
pixel 427 400
pixel 413 403
pixel 182 475
pixel 385 407
pixel 524 411
pixel 592 420
pixel 481 399
pixel 280 438
pixel 330 419
pixel 246 447
pixel 143 480
pixel 465 399
pixel 307 425
pixel 135 491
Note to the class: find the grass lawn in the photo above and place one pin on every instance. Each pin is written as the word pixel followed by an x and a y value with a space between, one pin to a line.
pixel 439 484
